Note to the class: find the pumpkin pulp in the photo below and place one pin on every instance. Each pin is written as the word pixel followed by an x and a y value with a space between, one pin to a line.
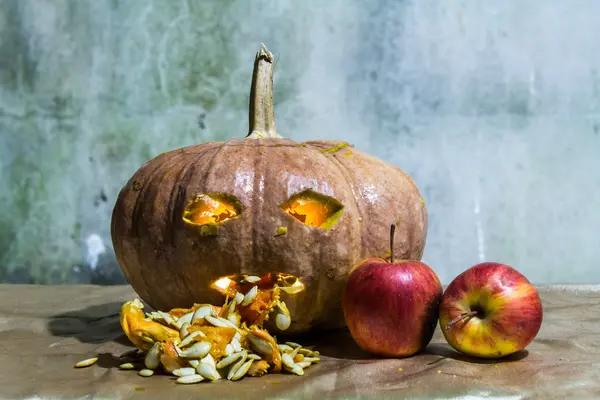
pixel 313 209
pixel 211 208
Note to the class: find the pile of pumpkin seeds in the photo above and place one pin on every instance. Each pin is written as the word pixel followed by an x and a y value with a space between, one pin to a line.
pixel 253 359
pixel 202 366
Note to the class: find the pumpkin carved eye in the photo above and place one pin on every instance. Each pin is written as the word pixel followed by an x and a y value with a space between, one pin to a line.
pixel 212 208
pixel 313 209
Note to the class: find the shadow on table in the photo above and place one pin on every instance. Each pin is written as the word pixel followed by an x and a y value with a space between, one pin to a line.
pixel 334 343
pixel 94 324
pixel 446 351
pixel 339 344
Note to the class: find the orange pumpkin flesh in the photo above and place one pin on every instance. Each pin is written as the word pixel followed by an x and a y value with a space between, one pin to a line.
pixel 262 204
pixel 218 337
pixel 257 311
pixel 140 331
pixel 312 209
pixel 210 209
pixel 169 358
pixel 252 335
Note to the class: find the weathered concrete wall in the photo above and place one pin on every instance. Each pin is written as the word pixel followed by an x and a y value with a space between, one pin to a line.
pixel 492 108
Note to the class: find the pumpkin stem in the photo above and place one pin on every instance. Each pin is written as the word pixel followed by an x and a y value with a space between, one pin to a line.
pixel 262 114
pixel 392 231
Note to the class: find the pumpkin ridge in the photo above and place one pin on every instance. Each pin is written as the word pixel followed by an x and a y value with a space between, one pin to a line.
pixel 180 192
pixel 257 194
pixel 355 194
pixel 181 165
pixel 330 156
pixel 146 188
pixel 211 163
pixel 412 211
pixel 134 213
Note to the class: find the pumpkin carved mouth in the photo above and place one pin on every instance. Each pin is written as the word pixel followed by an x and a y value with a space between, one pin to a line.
pixel 261 295
pixel 285 282
pixel 313 209
pixel 212 208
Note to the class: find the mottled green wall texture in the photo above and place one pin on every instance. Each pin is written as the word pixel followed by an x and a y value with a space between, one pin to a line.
pixel 492 107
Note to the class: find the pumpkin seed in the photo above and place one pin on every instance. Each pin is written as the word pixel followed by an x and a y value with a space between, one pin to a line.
pixel 303 364
pixel 250 296
pixel 184 371
pixel 254 356
pixel 148 339
pixel 202 312
pixel 236 345
pixel 237 366
pixel 220 322
pixel 193 363
pixel 137 303
pixel 282 321
pixel 293 344
pixel 285 348
pixel 288 360
pixel 156 316
pixel 86 363
pixel 227 361
pixel 185 330
pixel 190 338
pixel 260 346
pixel 197 350
pixel 169 320
pixel 186 318
pixel 306 352
pixel 234 318
pixel 216 321
pixel 152 359
pixel 189 379
pixel 146 372
pixel 209 360
pixel 238 297
pixel 242 370
pixel 231 308
pixel 296 350
pixel 283 308
pixel 126 366
pixel 229 350
pixel 252 279
pixel 296 369
pixel 208 371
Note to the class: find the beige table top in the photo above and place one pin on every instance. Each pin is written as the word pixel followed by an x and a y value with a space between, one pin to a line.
pixel 44 330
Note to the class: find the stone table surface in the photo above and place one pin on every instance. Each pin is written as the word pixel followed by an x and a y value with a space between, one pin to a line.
pixel 45 330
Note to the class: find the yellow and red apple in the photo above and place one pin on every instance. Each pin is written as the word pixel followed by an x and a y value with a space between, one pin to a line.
pixel 491 310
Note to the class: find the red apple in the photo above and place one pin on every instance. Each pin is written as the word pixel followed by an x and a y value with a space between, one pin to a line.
pixel 491 310
pixel 391 308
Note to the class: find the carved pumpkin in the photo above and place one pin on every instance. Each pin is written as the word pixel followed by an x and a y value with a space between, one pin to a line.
pixel 258 205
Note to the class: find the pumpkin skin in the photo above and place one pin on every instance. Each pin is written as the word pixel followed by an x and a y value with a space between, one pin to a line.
pixel 171 262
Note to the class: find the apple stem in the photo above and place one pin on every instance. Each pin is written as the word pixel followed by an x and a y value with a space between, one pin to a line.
pixel 461 317
pixel 392 231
